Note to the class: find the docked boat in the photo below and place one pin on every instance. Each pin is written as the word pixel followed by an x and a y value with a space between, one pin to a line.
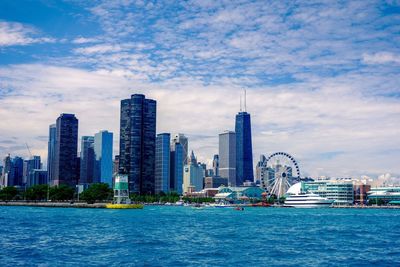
pixel 307 200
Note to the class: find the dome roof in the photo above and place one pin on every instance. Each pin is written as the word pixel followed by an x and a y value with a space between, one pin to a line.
pixel 294 189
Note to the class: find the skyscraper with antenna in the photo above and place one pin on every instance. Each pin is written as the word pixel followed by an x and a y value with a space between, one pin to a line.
pixel 244 149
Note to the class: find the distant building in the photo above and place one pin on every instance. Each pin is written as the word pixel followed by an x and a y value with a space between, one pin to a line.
pixel 244 150
pixel 360 193
pixel 260 168
pixel 17 171
pixel 86 160
pixel 66 164
pixel 215 182
pixel 115 165
pixel 183 140
pixel 215 165
pixel 29 166
pixel 227 156
pixel 238 194
pixel 177 159
pixel 341 192
pixel 51 152
pixel 137 143
pixel 37 177
pixel 103 162
pixel 7 167
pixel 163 154
pixel 193 177
pixel 384 195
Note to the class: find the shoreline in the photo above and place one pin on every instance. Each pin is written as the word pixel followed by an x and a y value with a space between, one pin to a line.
pixel 103 205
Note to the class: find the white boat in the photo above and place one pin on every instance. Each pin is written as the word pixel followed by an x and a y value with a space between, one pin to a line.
pixel 220 205
pixel 179 203
pixel 307 200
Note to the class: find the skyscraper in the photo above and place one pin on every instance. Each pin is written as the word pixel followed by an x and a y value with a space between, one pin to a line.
pixel 176 167
pixel 244 151
pixel 162 172
pixel 29 166
pixel 227 156
pixel 87 160
pixel 215 165
pixel 66 163
pixel 17 171
pixel 51 152
pixel 182 139
pixel 137 142
pixel 193 177
pixel 7 167
pixel 103 165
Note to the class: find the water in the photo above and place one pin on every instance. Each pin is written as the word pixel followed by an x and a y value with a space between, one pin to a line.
pixel 181 236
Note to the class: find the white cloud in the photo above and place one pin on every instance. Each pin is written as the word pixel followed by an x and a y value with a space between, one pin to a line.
pixel 301 122
pixel 13 33
pixel 381 58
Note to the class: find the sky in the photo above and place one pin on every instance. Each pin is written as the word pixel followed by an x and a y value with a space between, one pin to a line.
pixel 322 77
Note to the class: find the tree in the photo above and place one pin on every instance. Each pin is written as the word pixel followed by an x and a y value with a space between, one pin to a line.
pixel 36 192
pixel 97 192
pixel 8 193
pixel 61 193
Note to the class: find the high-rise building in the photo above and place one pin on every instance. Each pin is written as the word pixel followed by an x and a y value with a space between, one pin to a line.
pixel 37 177
pixel 7 167
pixel 17 172
pixel 51 152
pixel 215 165
pixel 227 156
pixel 244 151
pixel 29 166
pixel 193 177
pixel 183 140
pixel 66 163
pixel 87 160
pixel 260 168
pixel 163 154
pixel 137 143
pixel 103 165
pixel 177 160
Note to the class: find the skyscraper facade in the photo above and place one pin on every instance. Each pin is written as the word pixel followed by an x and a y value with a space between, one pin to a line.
pixel 66 162
pixel 51 152
pixel 176 167
pixel 87 160
pixel 29 166
pixel 7 167
pixel 193 177
pixel 227 156
pixel 137 143
pixel 215 166
pixel 17 171
pixel 103 165
pixel 183 140
pixel 244 151
pixel 162 172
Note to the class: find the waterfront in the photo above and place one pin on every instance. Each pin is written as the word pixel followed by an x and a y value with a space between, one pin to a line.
pixel 181 236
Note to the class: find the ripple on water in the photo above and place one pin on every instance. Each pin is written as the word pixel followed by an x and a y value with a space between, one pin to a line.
pixel 179 236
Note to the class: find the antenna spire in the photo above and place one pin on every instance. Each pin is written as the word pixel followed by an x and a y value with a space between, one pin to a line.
pixel 240 103
pixel 245 108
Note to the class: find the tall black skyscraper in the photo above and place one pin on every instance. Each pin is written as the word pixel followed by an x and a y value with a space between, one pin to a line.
pixel 86 160
pixel 137 143
pixel 244 150
pixel 66 162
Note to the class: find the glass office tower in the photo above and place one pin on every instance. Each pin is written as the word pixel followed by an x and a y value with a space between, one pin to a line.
pixel 137 143
pixel 244 150
pixel 66 150
pixel 162 172
pixel 227 156
pixel 51 152
pixel 103 161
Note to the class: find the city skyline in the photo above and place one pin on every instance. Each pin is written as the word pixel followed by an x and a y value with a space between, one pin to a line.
pixel 322 86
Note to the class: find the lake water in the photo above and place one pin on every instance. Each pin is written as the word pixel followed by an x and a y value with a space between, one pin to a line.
pixel 182 236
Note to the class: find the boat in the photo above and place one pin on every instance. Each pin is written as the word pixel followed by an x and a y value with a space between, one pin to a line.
pixel 307 200
pixel 179 203
pixel 221 205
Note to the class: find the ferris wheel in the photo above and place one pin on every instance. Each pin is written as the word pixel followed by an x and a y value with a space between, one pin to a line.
pixel 280 171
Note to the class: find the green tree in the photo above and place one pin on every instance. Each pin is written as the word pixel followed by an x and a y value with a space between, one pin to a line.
pixel 8 193
pixel 97 192
pixel 61 193
pixel 36 192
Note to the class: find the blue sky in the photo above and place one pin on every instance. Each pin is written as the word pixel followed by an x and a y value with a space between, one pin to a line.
pixel 322 76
